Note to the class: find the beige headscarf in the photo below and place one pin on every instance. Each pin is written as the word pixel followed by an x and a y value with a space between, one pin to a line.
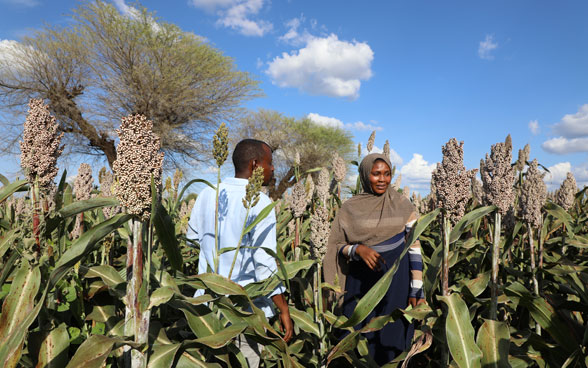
pixel 367 219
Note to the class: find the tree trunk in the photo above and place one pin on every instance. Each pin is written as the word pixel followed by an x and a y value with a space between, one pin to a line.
pixel 276 192
pixel 65 108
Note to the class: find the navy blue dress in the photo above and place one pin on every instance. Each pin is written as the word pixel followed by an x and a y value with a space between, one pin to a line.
pixel 387 343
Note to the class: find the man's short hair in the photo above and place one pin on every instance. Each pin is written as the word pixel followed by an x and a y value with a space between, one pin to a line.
pixel 247 150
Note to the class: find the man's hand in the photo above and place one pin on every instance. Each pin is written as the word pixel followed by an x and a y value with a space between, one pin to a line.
pixel 414 301
pixel 371 258
pixel 286 325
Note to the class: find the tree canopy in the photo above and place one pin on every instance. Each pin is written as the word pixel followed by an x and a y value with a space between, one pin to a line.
pixel 104 65
pixel 315 143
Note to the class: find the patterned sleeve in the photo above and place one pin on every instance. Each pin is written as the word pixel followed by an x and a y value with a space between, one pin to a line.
pixel 415 263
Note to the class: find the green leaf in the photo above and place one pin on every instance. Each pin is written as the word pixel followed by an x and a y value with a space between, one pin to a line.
pixel 54 349
pixel 7 240
pixel 107 273
pixel 20 301
pixel 202 321
pixel 4 180
pixel 478 285
pixel 262 214
pixel 101 313
pixel 369 301
pixel 165 229
pixel 221 338
pixel 220 285
pixel 467 220
pixel 94 351
pixel 494 340
pixel 349 342
pixel 545 315
pixel 304 321
pixel 163 355
pixel 560 214
pixel 460 333
pixel 87 205
pixel 160 296
pixel 11 345
pixel 8 190
pixel 85 244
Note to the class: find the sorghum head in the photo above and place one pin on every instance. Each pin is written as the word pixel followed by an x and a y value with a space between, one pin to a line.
pixel 386 149
pixel 533 195
pixel 523 158
pixel 40 145
pixel 452 181
pixel 322 185
pixel 339 168
pixel 83 182
pixel 498 176
pixel 220 145
pixel 371 140
pixel 138 159
pixel 253 188
pixel 298 199
pixel 567 192
pixel 309 188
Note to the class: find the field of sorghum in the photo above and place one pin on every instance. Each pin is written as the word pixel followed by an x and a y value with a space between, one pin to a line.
pixel 105 277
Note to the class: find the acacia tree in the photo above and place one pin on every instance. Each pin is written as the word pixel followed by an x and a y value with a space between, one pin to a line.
pixel 104 66
pixel 315 143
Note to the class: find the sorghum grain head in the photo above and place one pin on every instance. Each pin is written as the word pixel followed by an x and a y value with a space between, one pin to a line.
pixel 566 194
pixel 386 149
pixel 309 188
pixel 83 182
pixel 523 158
pixel 40 145
pixel 452 181
pixel 371 140
pixel 359 150
pixel 298 199
pixel 138 159
pixel 220 144
pixel 498 176
pixel 319 231
pixel 397 182
pixel 339 168
pixel 322 185
pixel 253 188
pixel 533 195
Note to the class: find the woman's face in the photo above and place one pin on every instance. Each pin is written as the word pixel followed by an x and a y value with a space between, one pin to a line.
pixel 380 177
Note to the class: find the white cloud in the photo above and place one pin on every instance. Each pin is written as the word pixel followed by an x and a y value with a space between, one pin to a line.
pixel 293 35
pixel 558 172
pixel 360 125
pixel 573 125
pixel 236 14
pixel 534 127
pixel 562 146
pixel 417 173
pixel 334 122
pixel 485 48
pixel 325 66
pixel 325 120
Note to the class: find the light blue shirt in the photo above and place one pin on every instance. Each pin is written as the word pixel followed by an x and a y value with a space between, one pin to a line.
pixel 252 264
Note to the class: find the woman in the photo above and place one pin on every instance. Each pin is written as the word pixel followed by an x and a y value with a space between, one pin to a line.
pixel 367 237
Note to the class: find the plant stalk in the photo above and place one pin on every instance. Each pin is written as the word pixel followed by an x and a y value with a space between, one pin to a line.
pixel 445 275
pixel 533 270
pixel 216 245
pixel 495 257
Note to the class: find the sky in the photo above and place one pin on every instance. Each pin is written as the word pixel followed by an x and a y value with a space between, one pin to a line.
pixel 416 72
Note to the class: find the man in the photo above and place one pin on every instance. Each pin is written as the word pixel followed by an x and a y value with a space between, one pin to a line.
pixel 252 264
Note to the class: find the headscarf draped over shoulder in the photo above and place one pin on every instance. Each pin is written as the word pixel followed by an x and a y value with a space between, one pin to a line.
pixel 367 219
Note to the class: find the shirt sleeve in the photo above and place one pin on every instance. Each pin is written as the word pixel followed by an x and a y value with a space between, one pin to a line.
pixel 415 264
pixel 264 236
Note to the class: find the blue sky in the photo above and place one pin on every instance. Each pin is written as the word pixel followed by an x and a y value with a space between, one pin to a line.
pixel 419 72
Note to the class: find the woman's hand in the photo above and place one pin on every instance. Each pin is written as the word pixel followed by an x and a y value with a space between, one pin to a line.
pixel 414 301
pixel 371 258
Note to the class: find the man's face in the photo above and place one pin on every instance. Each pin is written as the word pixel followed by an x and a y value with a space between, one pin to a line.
pixel 266 162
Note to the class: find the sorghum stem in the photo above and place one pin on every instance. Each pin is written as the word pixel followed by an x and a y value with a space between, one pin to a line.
pixel 533 270
pixel 216 246
pixel 495 257
pixel 445 276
